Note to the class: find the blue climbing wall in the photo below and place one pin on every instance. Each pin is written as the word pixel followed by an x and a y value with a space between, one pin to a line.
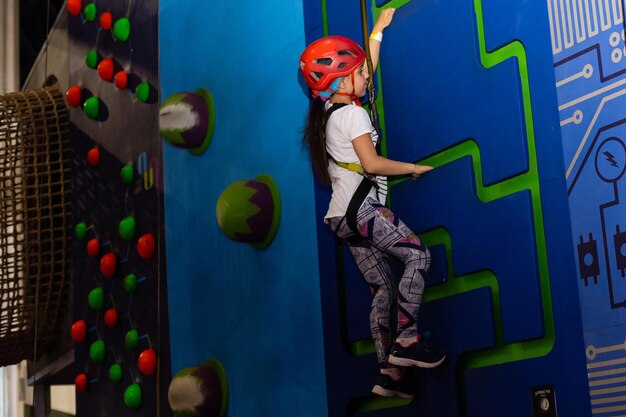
pixel 257 312
pixel 467 86
pixel 590 67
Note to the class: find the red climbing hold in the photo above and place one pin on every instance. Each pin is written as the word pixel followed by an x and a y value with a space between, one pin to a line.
pixel 105 69
pixel 93 247
pixel 72 96
pixel 145 246
pixel 121 79
pixel 106 20
pixel 110 317
pixel 74 7
pixel 79 331
pixel 108 265
pixel 81 382
pixel 147 362
pixel 93 156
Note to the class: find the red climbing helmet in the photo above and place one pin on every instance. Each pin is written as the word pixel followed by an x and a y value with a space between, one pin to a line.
pixel 329 58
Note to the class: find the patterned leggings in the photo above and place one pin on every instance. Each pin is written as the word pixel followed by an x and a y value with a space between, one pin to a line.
pixel 385 235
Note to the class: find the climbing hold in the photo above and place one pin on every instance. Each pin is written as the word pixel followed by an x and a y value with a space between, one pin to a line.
pixel 108 265
pixel 187 120
pixel 121 80
pixel 92 107
pixel 97 351
pixel 93 247
pixel 72 96
pixel 130 283
pixel 93 156
pixel 80 382
pixel 208 382
pixel 95 298
pixel 145 246
pixel 79 331
pixel 115 372
pixel 106 20
pixel 74 7
pixel 131 339
pixel 80 231
pixel 147 362
pixel 127 173
pixel 249 211
pixel 121 29
pixel 90 12
pixel 143 92
pixel 127 228
pixel 132 396
pixel 91 59
pixel 105 69
pixel 110 317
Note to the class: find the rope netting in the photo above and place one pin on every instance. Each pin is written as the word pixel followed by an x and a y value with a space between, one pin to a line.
pixel 35 222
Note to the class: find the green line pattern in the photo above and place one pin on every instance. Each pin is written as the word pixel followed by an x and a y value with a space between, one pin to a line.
pixel 502 352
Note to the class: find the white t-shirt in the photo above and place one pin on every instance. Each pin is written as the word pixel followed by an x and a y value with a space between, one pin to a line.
pixel 346 124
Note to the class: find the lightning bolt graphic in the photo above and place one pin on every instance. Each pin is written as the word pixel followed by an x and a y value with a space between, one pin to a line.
pixel 610 158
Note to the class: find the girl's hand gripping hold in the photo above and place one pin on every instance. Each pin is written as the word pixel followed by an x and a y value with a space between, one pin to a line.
pixel 420 169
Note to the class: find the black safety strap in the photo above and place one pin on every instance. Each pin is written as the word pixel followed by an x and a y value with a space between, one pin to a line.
pixel 362 190
pixel 357 199
pixel 331 110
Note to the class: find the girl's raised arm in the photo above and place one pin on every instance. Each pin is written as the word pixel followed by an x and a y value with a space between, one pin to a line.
pixel 384 19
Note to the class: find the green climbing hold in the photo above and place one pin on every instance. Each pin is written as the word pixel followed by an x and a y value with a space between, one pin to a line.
pixel 132 396
pixel 131 339
pixel 115 372
pixel 121 29
pixel 92 107
pixel 90 12
pixel 143 92
pixel 97 350
pixel 91 59
pixel 127 173
pixel 96 298
pixel 80 231
pixel 130 283
pixel 127 228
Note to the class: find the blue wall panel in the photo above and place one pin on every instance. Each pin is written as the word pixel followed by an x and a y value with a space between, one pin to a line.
pixel 456 97
pixel 498 238
pixel 590 67
pixel 257 312
pixel 496 203
pixel 502 300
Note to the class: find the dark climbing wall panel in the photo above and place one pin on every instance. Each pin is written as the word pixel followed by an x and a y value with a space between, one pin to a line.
pixel 124 182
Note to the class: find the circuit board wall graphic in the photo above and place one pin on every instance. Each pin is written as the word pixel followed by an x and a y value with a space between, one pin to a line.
pixel 463 89
pixel 590 67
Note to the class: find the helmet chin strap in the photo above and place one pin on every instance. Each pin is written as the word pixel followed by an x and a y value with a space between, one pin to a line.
pixel 351 94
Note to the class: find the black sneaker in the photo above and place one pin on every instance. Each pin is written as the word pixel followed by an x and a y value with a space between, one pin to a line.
pixel 416 354
pixel 387 387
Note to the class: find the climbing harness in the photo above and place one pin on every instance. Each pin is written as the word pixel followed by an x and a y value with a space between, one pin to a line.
pixel 328 59
pixel 365 185
pixel 368 180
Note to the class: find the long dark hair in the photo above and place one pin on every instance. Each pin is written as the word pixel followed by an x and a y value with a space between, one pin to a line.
pixel 315 138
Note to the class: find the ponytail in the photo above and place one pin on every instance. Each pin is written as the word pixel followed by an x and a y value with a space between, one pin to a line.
pixel 315 138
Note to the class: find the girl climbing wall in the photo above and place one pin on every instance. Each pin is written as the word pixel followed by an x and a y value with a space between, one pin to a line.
pixel 343 153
